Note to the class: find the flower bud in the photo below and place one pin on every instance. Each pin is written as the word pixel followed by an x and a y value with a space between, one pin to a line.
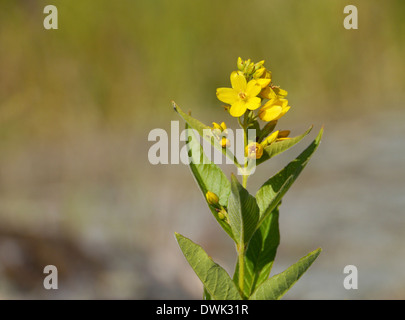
pixel 216 126
pixel 225 142
pixel 240 64
pixel 249 68
pixel 254 150
pixel 270 139
pixel 212 198
pixel 258 73
pixel 283 134
pixel 222 214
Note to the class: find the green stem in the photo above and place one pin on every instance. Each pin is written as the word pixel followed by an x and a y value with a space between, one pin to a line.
pixel 241 247
pixel 241 253
pixel 245 140
pixel 244 180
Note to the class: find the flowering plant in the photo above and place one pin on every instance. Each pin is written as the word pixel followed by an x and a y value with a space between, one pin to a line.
pixel 251 221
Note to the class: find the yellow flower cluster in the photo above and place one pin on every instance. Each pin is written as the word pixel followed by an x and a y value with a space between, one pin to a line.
pixel 251 85
pixel 253 89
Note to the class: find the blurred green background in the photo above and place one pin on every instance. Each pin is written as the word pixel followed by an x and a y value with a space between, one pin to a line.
pixel 77 104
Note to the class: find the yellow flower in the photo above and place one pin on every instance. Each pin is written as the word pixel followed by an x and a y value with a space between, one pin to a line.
pixel 212 198
pixel 241 96
pixel 274 109
pixel 254 150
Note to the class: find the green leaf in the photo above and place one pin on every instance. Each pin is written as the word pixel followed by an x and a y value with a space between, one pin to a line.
pixel 260 254
pixel 243 212
pixel 206 295
pixel 205 132
pixel 214 278
pixel 278 147
pixel 272 191
pixel 267 129
pixel 208 176
pixel 275 287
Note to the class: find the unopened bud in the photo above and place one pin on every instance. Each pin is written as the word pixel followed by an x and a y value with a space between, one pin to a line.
pixel 283 134
pixel 240 64
pixel 249 68
pixel 225 142
pixel 258 73
pixel 254 150
pixel 216 126
pixel 212 198
pixel 271 138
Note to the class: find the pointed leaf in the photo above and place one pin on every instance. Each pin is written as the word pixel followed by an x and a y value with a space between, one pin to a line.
pixel 214 278
pixel 260 254
pixel 193 123
pixel 208 176
pixel 278 147
pixel 272 191
pixel 243 212
pixel 275 287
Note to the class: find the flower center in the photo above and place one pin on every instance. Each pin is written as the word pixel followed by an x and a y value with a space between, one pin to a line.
pixel 253 149
pixel 242 95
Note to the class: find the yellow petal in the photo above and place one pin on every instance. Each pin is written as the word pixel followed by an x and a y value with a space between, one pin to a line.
pixel 223 126
pixel 258 73
pixel 216 126
pixel 263 82
pixel 238 109
pixel 276 102
pixel 271 138
pixel 283 112
pixel 269 114
pixel 253 103
pixel 280 92
pixel 282 102
pixel 268 93
pixel 227 95
pixel 253 88
pixel 238 81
